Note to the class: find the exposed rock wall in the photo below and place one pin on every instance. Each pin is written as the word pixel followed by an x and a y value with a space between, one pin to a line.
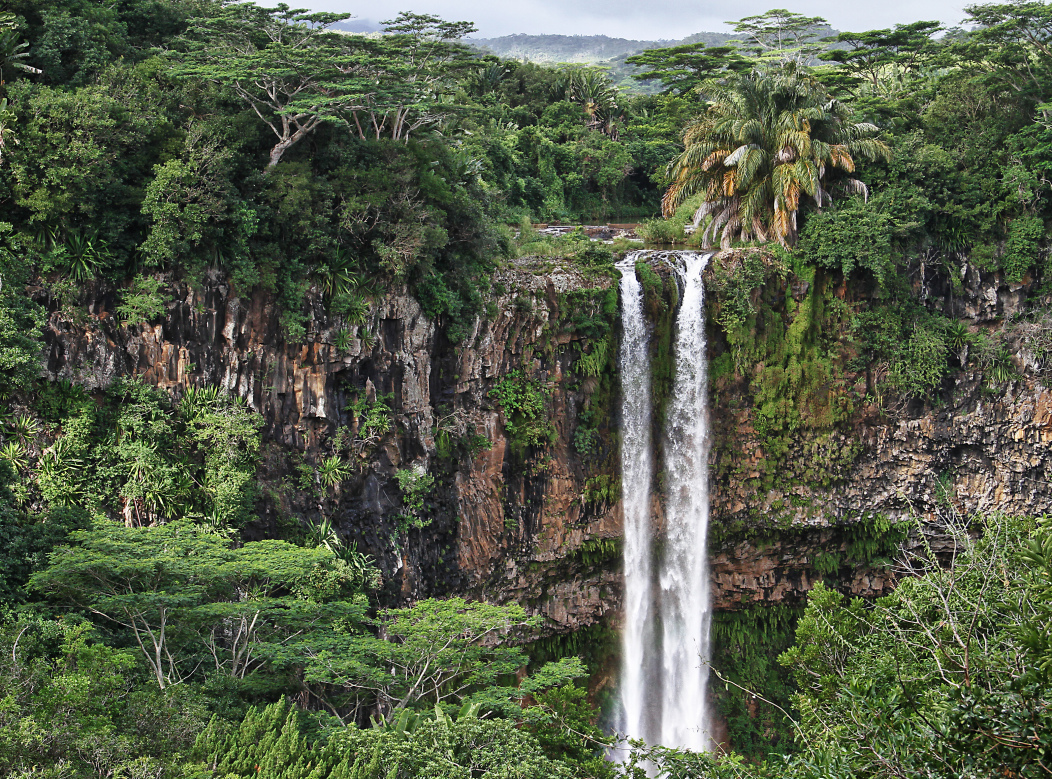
pixel 976 448
pixel 518 526
pixel 505 525
pixel 979 452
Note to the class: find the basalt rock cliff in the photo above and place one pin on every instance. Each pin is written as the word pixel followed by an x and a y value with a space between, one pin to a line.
pixel 505 523
pixel 540 524
pixel 975 446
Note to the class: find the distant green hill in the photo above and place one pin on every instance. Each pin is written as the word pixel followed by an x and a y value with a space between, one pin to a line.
pixel 599 50
pixel 581 49
pixel 603 51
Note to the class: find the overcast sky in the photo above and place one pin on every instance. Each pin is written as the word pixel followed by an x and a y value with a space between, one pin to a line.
pixel 641 19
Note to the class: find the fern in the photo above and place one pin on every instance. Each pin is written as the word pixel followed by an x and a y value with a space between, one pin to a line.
pixel 593 363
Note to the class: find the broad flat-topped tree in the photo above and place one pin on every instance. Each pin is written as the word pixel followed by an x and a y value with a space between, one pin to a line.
pixel 423 58
pixel 781 35
pixel 296 74
pixel 1012 41
pixel 191 600
pixel 284 63
pixel 435 652
pixel 683 69
pixel 870 55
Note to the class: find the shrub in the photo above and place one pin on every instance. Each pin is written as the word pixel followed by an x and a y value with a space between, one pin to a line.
pixel 143 301
pixel 661 231
pixel 522 403
pixel 913 344
pixel 1021 247
pixel 918 365
pixel 847 238
pixel 414 485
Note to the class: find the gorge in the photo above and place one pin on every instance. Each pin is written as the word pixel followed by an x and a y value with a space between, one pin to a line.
pixel 550 533
pixel 336 444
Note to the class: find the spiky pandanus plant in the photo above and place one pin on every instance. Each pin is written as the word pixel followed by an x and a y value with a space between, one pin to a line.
pixel 768 139
pixel 592 89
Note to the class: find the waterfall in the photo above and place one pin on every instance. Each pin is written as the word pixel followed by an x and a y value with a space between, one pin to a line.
pixel 666 635
pixel 636 474
pixel 684 568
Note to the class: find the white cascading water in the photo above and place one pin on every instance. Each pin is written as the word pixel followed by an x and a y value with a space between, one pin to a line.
pixel 666 637
pixel 636 474
pixel 683 571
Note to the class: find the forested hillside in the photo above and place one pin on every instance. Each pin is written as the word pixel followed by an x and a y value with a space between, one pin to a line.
pixel 550 49
pixel 196 580
pixel 599 50
pixel 581 49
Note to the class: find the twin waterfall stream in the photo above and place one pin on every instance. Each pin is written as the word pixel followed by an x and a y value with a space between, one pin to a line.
pixel 665 648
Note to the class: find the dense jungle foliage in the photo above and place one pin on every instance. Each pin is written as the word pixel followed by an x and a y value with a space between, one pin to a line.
pixel 151 627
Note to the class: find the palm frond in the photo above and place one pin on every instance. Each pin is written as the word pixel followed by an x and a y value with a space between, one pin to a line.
pixel 767 138
pixel 855 187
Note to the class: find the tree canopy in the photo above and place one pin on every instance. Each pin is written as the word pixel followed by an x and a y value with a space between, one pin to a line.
pixel 780 34
pixel 184 592
pixel 686 68
pixel 283 63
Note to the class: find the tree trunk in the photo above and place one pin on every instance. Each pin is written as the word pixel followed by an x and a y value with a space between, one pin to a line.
pixel 288 140
pixel 277 151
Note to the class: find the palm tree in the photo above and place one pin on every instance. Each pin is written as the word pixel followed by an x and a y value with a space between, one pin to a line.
pixel 489 77
pixel 12 53
pixel 7 118
pixel 768 138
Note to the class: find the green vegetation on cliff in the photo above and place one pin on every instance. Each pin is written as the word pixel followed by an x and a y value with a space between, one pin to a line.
pixel 947 676
pixel 853 317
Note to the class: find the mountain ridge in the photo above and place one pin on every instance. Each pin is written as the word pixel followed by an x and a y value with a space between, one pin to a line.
pixel 581 49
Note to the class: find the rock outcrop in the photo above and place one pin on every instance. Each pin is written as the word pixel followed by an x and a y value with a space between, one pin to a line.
pixel 505 524
pixel 509 523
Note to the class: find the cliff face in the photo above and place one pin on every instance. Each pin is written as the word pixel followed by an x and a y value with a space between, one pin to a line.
pixel 978 447
pixel 528 524
pixel 506 524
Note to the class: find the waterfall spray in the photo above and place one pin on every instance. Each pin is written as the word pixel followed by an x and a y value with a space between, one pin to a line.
pixel 666 636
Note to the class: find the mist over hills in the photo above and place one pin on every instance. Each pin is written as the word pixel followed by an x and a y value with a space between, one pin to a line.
pixel 358 25
pixel 581 49
pixel 601 50
pixel 547 49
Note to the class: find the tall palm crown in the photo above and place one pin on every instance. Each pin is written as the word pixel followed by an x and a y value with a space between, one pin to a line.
pixel 767 138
